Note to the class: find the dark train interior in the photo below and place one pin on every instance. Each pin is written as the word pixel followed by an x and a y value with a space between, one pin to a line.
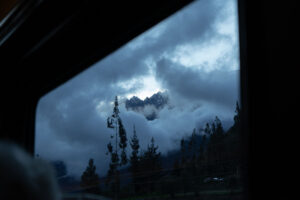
pixel 45 43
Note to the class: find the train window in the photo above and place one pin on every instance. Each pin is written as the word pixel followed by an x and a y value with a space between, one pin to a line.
pixel 159 118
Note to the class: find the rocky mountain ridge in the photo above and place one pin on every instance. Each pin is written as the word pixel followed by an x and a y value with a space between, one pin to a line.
pixel 149 106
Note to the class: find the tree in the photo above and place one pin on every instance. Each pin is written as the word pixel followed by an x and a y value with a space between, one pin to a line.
pixel 192 172
pixel 172 183
pixel 151 166
pixel 123 142
pixel 201 154
pixel 207 129
pixel 216 146
pixel 183 166
pixel 219 131
pixel 115 122
pixel 192 144
pixel 134 160
pixel 235 152
pixel 111 177
pixel 60 168
pixel 89 179
pixel 182 152
pixel 237 117
pixel 201 164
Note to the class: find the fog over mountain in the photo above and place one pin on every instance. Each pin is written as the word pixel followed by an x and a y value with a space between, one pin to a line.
pixel 149 107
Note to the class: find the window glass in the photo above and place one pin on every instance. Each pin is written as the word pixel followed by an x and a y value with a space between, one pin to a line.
pixel 158 118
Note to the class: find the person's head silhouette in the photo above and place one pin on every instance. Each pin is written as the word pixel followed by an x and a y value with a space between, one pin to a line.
pixel 24 177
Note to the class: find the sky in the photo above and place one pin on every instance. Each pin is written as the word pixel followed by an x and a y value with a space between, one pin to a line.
pixel 192 55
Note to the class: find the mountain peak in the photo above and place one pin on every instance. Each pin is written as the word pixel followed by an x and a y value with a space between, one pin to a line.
pixel 156 102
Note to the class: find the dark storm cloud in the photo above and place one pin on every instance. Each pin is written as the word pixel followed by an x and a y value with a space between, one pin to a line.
pixel 217 86
pixel 71 120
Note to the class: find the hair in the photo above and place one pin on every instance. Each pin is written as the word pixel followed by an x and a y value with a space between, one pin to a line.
pixel 23 176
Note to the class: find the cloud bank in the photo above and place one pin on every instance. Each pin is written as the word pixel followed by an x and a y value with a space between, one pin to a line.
pixel 192 55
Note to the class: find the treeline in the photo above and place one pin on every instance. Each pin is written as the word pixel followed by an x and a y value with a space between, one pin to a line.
pixel 209 159
pixel 211 162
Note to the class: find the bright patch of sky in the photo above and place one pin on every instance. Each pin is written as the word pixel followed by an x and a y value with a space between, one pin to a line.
pixel 149 87
pixel 146 86
pixel 199 56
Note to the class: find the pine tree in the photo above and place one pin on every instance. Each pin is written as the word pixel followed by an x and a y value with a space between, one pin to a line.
pixel 134 160
pixel 207 129
pixel 60 168
pixel 173 182
pixel 201 162
pixel 183 152
pixel 236 154
pixel 201 153
pixel 219 127
pixel 192 143
pixel 123 142
pixel 120 142
pixel 216 146
pixel 151 166
pixel 237 117
pixel 89 179
pixel 192 162
pixel 135 148
pixel 183 165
